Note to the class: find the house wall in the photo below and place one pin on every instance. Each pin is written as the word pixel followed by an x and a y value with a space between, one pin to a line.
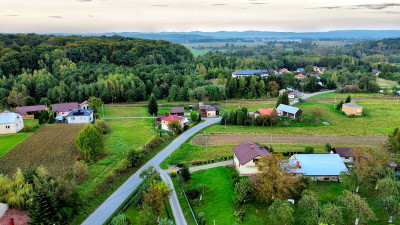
pixel 85 106
pixel 11 128
pixel 352 110
pixel 324 178
pixel 80 119
pixel 64 114
pixel 164 124
pixel 211 114
pixel 348 160
pixel 247 169
pixel 177 114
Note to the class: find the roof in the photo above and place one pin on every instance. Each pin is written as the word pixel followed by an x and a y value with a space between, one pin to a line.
pixel 209 107
pixel 34 108
pixel 288 108
pixel 247 151
pixel 352 104
pixel 375 71
pixel 177 110
pixel 171 117
pixel 319 164
pixel 64 107
pixel 291 93
pixel 86 102
pixel 81 112
pixel 8 117
pixel 300 76
pixel 283 70
pixel 265 111
pixel 251 72
pixel 300 69
pixel 343 152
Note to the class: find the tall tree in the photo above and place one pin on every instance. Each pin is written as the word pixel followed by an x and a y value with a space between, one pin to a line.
pixel 157 196
pixel 355 208
pixel 90 142
pixel 331 214
pixel 281 212
pixel 283 99
pixel 152 105
pixel 15 99
pixel 309 206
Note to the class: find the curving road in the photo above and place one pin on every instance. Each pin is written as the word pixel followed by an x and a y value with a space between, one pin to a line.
pixel 108 207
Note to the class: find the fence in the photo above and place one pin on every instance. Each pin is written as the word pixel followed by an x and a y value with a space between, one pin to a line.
pixel 187 200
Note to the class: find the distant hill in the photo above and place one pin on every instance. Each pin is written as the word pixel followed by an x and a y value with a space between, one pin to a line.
pixel 224 36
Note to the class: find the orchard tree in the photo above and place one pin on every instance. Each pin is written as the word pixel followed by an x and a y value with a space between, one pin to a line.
pixel 273 117
pixel 15 99
pixel 152 105
pixel 331 214
pixel 309 206
pixel 281 212
pixel 175 126
pixel 355 208
pixel 95 104
pixel 243 191
pixel 283 99
pixel 90 142
pixel 157 196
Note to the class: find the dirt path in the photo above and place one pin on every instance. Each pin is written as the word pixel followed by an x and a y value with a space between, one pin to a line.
pixel 233 139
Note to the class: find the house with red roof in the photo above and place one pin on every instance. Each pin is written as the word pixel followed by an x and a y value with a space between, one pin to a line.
pixel 166 120
pixel 246 157
pixel 300 76
pixel 263 111
pixel 291 95
pixel 284 70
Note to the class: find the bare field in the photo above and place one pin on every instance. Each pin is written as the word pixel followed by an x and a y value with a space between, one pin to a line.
pixel 234 139
pixel 52 147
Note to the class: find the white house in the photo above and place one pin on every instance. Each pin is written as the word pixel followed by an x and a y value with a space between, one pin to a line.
pixel 84 105
pixel 319 167
pixel 166 120
pixel 291 95
pixel 346 154
pixel 246 73
pixel 80 116
pixel 10 122
pixel 246 156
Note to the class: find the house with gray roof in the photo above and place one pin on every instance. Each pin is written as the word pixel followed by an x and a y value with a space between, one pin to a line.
pixel 80 116
pixel 10 122
pixel 246 156
pixel 177 111
pixel 209 110
pixel 28 111
pixel 246 73
pixel 288 111
pixel 319 167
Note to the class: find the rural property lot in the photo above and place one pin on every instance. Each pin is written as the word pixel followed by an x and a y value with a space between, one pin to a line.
pixel 234 139
pixel 52 147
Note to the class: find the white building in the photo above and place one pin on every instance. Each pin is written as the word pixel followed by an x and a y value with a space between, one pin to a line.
pixel 166 120
pixel 246 157
pixel 246 73
pixel 84 105
pixel 10 122
pixel 80 116
pixel 346 154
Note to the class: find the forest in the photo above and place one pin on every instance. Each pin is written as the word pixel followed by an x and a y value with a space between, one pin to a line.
pixel 46 69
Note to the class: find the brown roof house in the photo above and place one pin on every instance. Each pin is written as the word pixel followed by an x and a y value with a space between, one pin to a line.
pixel 352 108
pixel 246 156
pixel 63 109
pixel 28 111
pixel 177 111
pixel 208 111
pixel 346 154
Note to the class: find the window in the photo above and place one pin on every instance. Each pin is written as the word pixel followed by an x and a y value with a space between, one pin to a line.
pixel 72 118
pixel 7 127
pixel 347 157
pixel 255 161
pixel 326 178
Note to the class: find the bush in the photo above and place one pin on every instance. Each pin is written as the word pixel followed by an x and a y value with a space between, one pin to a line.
pixel 202 188
pixel 185 172
pixel 28 128
pixel 309 150
pixel 121 219
pixel 105 128
pixel 134 157
pixel 196 162
pixel 122 166
pixel 90 142
pixel 193 193
pixel 80 170
pixel 316 112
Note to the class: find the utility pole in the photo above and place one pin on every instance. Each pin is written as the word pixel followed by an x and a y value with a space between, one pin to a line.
pixel 103 110
pixel 334 105
pixel 206 139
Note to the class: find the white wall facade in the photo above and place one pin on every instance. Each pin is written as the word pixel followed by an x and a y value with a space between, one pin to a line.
pixel 248 168
pixel 12 128
pixel 164 124
pixel 80 119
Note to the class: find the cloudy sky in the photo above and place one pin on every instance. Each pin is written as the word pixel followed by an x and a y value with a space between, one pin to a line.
pixel 97 16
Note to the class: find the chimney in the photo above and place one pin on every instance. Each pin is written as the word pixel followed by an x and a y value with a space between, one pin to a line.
pixel 11 221
pixel 298 164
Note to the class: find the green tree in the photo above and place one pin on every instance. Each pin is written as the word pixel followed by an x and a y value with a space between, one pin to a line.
pixel 309 69
pixel 355 207
pixel 348 99
pixel 15 99
pixel 173 93
pixel 393 141
pixel 339 106
pixel 194 117
pixel 175 126
pixel 240 117
pixel 121 219
pixel 156 92
pixel 281 212
pixel 225 119
pixel 348 180
pixel 233 117
pixel 134 157
pixel 51 119
pixel 328 147
pixel 273 117
pixel 44 205
pixel 146 216
pixel 243 191
pixel 185 172
pixel 152 105
pixel 331 214
pixel 95 104
pixel 90 142
pixel 309 207
pixel 157 196
pixel 309 150
pixel 283 99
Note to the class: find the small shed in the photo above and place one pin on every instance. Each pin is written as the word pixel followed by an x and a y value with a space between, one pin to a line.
pixel 177 111
pixel 352 108
pixel 288 111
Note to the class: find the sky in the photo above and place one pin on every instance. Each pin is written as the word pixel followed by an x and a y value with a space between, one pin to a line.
pixel 99 16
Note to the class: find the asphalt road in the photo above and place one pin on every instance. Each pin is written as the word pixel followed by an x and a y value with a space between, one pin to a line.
pixel 108 207
pixel 295 101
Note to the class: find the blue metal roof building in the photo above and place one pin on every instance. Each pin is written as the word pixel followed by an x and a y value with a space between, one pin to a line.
pixel 244 73
pixel 8 117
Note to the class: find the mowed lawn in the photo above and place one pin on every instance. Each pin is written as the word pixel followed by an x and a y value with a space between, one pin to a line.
pixel 124 111
pixel 52 147
pixel 9 141
pixel 382 117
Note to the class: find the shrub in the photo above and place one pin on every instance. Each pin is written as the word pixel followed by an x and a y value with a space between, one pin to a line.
pixel 193 193
pixel 122 166
pixel 90 142
pixel 28 128
pixel 134 157
pixel 185 172
pixel 172 174
pixel 51 119
pixel 351 116
pixel 80 170
pixel 202 188
pixel 316 112
pixel 286 123
pixel 196 162
pixel 309 150
pixel 121 219
pixel 243 191
pixel 105 128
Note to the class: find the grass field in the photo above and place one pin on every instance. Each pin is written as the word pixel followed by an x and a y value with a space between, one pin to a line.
pixel 9 141
pixel 52 147
pixel 123 111
pixel 217 202
pixel 340 96
pixel 382 117
pixel 386 83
